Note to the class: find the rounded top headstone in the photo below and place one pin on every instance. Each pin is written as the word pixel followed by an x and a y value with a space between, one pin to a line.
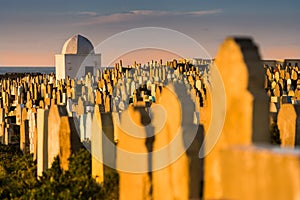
pixel 78 44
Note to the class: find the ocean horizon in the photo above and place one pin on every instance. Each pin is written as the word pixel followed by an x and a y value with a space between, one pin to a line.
pixel 27 69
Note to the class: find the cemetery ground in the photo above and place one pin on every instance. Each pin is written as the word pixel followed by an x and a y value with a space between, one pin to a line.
pixel 18 178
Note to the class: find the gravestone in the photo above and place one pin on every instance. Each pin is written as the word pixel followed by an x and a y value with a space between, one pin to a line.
pixel 107 104
pixel 289 125
pixel 88 125
pixel 54 127
pixel 82 127
pixel 98 97
pixel 62 136
pixel 24 132
pixel 18 114
pixel 132 185
pixel 65 143
pixel 2 125
pixel 96 147
pixel 242 72
pixel 42 145
pixel 32 132
pixel 180 178
pixel 254 172
pixel 81 106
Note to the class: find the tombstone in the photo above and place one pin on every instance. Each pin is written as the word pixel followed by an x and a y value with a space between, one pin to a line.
pixel 254 172
pixel 82 127
pixel 18 111
pixel 241 69
pixel 42 144
pixel 2 125
pixel 64 98
pixel 276 76
pixel 35 91
pixel 289 125
pixel 198 84
pixel 181 177
pixel 24 132
pixel 81 106
pixel 277 90
pixel 54 127
pixel 282 73
pixel 98 97
pixel 43 90
pixel 107 104
pixel 96 147
pixel 32 132
pixel 88 125
pixel 69 93
pixel 58 96
pixel 132 185
pixel 69 107
pixel 65 143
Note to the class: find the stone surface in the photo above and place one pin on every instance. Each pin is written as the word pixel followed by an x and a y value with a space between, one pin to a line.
pixel 289 125
pixel 54 126
pixel 77 45
pixel 250 172
pixel 247 106
pixel 65 142
pixel 132 185
pixel 172 181
pixel 96 147
pixel 24 132
pixel 88 125
pixel 42 145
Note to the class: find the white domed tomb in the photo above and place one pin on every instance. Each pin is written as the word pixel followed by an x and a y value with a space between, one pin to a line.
pixel 77 58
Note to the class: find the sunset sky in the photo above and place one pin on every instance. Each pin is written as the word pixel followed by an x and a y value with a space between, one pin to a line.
pixel 33 31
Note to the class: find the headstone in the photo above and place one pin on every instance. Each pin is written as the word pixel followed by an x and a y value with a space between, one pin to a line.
pixel 88 125
pixel 81 106
pixel 42 145
pixel 96 147
pixel 82 127
pixel 18 114
pixel 32 132
pixel 250 172
pixel 289 125
pixel 107 104
pixel 277 91
pixel 54 128
pixel 24 132
pixel 65 143
pixel 180 178
pixel 242 72
pixel 98 97
pixel 69 107
pixel 128 181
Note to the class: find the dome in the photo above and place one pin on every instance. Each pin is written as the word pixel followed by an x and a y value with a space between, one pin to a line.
pixel 78 45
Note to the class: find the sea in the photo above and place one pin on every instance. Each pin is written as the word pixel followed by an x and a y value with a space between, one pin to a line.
pixel 29 69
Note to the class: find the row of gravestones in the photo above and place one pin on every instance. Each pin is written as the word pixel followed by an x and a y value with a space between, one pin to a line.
pixel 47 131
pixel 49 92
pixel 283 83
pixel 236 161
pixel 241 158
pixel 34 92
pixel 242 164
